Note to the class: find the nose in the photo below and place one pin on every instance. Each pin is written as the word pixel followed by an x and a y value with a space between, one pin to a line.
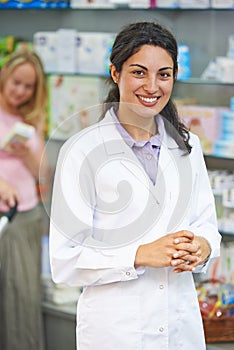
pixel 21 89
pixel 151 85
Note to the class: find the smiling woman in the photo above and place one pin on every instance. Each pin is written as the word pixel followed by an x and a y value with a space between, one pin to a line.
pixel 133 212
pixel 19 87
pixel 144 81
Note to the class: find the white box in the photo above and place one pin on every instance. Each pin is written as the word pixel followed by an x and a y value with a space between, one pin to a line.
pixel 66 48
pixel 93 52
pixel 45 45
pixel 142 4
pixel 20 132
pixel 93 4
pixel 222 4
pixel 167 3
pixel 194 3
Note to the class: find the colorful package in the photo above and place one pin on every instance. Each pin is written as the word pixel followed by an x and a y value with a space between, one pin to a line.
pixel 203 121
pixel 71 99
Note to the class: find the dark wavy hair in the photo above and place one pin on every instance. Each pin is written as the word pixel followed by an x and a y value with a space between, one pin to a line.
pixel 129 41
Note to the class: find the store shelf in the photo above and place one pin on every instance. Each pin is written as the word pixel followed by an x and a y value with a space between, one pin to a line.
pixel 204 81
pixel 220 346
pixel 60 320
pixel 123 6
pixel 59 326
pixel 227 234
pixel 214 162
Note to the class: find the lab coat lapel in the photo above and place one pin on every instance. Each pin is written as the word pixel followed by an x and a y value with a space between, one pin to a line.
pixel 175 169
pixel 115 146
pixel 172 167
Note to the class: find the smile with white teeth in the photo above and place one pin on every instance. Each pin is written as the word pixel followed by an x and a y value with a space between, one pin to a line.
pixel 148 99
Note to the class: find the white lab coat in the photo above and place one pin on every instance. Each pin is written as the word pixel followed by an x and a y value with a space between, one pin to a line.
pixel 104 206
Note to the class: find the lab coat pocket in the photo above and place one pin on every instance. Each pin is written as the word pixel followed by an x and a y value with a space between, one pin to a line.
pixel 109 323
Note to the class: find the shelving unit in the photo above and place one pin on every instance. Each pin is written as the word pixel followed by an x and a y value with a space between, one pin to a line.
pixel 205 31
pixel 206 41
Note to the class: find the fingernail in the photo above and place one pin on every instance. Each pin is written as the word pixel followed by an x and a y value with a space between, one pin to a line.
pixel 176 240
pixel 175 255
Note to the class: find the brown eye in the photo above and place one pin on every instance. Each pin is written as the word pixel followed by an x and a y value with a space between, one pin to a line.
pixel 138 72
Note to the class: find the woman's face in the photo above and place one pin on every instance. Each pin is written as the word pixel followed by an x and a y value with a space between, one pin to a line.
pixel 20 85
pixel 145 81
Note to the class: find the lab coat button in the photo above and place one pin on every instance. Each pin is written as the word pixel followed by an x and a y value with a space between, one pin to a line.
pixel 161 329
pixel 161 286
pixel 128 273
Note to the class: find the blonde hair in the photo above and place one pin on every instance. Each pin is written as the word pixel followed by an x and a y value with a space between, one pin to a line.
pixel 32 111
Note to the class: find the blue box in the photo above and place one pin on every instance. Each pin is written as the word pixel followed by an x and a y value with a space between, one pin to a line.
pixel 22 4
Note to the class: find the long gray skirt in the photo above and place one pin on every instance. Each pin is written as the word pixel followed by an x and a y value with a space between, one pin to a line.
pixel 20 287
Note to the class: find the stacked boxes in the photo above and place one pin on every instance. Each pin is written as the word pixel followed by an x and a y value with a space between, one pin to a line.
pixel 19 4
pixel 92 4
pixel 191 4
pixel 45 44
pixel 88 52
pixel 73 104
pixel 93 52
pixel 203 121
pixel 183 3
pixel 224 146
pixel 222 4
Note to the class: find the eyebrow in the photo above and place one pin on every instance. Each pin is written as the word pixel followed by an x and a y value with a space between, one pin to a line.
pixel 143 67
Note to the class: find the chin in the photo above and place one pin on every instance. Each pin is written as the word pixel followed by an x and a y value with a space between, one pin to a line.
pixel 144 112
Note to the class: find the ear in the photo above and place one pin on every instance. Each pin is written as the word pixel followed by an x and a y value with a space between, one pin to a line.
pixel 114 73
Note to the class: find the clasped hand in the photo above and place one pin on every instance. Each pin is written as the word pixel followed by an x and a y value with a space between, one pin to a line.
pixel 182 250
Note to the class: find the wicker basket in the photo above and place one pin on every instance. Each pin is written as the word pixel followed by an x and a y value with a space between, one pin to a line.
pixel 219 329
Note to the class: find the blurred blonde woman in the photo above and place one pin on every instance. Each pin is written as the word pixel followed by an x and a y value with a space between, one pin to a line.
pixel 23 98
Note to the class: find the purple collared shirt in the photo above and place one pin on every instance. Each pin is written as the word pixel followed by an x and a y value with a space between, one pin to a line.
pixel 147 152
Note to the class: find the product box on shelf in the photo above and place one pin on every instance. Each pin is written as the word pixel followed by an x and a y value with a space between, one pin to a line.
pixel 66 50
pixel 93 51
pixel 45 44
pixel 203 121
pixel 69 51
pixel 224 149
pixel 57 50
pixel 92 4
pixel 194 3
pixel 222 4
pixel 34 4
pixel 184 62
pixel 230 51
pixel 224 146
pixel 228 126
pixel 222 184
pixel 73 104
pixel 167 3
pixel 225 69
pixel 142 3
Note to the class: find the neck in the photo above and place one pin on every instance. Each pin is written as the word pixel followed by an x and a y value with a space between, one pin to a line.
pixel 140 128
